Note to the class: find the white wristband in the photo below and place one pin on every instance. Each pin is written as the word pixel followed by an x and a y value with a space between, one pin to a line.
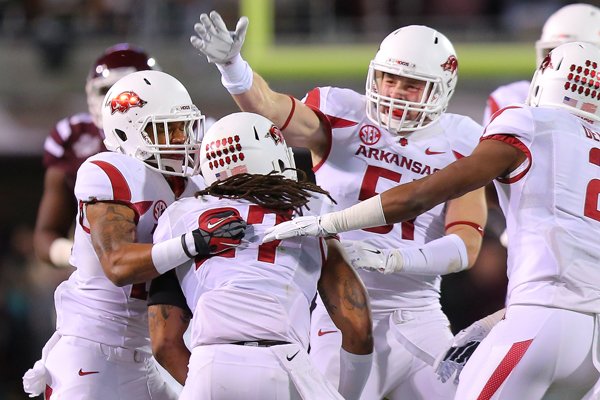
pixel 236 76
pixel 442 256
pixel 170 253
pixel 366 214
pixel 60 252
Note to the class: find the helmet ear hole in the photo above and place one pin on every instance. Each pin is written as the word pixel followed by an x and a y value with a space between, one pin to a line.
pixel 121 134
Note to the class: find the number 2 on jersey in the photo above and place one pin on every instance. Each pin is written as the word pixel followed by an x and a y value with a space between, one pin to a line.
pixel 592 192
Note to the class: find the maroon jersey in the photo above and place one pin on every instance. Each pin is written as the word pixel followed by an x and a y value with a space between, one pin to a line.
pixel 70 143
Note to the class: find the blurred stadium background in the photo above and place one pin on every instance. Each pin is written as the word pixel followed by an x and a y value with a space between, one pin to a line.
pixel 47 47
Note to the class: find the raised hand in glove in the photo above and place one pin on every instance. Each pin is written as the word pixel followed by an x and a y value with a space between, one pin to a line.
pixel 299 226
pixel 216 42
pixel 365 256
pixel 218 232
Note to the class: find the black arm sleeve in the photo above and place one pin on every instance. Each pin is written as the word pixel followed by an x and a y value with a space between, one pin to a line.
pixel 166 290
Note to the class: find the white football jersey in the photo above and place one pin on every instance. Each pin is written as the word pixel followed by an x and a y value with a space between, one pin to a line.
pixel 365 160
pixel 515 92
pixel 253 292
pixel 88 304
pixel 552 208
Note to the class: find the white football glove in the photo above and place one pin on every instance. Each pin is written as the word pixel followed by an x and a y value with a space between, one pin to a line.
pixel 35 379
pixel 365 256
pixel 464 344
pixel 218 44
pixel 299 226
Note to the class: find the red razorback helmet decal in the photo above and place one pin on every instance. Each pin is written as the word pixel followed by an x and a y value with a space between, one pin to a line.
pixel 546 62
pixel 451 64
pixel 124 101
pixel 276 135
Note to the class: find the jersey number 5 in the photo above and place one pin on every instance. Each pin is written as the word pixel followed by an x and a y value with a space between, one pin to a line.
pixel 367 190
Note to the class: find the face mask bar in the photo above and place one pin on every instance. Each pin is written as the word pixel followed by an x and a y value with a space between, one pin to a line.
pixel 179 159
pixel 428 107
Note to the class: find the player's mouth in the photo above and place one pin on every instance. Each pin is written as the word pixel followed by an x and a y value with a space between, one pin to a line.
pixel 396 113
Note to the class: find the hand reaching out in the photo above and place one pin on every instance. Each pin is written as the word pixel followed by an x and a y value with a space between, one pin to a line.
pixel 214 39
pixel 299 226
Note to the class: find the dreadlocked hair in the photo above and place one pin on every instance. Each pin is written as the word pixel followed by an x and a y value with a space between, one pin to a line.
pixel 271 191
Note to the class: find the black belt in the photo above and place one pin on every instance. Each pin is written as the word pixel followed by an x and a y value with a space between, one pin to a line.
pixel 261 343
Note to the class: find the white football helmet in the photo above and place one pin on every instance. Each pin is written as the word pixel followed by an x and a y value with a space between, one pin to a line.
pixel 244 143
pixel 572 23
pixel 116 62
pixel 568 78
pixel 416 52
pixel 152 98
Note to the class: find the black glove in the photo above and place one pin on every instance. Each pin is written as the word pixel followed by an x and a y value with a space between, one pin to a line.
pixel 218 232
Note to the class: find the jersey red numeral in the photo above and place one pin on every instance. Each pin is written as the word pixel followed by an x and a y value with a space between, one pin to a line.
pixel 256 215
pixel 367 190
pixel 266 251
pixel 592 192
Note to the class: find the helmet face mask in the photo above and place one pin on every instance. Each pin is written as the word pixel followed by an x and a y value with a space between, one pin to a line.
pixel 567 79
pixel 116 62
pixel 138 113
pixel 245 143
pixel 572 23
pixel 414 53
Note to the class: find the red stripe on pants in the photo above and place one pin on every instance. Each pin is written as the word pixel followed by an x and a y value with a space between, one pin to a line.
pixel 508 363
pixel 48 393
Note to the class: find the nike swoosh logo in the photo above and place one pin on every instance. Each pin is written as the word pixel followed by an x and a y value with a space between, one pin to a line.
pixel 82 373
pixel 322 332
pixel 430 152
pixel 373 251
pixel 211 225
pixel 290 358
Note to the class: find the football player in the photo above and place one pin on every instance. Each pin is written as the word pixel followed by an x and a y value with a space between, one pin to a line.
pixel 251 304
pixel 544 159
pixel 362 144
pixel 101 348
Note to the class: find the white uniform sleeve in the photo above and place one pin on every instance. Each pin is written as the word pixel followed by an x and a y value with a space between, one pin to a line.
pixel 515 126
pixel 515 121
pixel 94 183
pixel 465 137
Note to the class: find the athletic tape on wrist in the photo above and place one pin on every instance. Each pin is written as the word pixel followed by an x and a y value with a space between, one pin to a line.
pixel 366 214
pixel 354 371
pixel 237 76
pixel 170 253
pixel 442 256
